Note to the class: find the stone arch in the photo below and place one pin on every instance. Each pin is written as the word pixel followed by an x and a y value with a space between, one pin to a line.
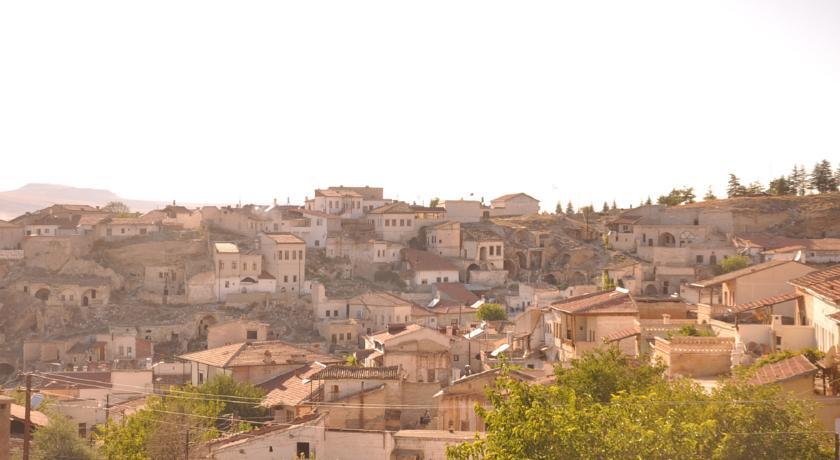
pixel 470 269
pixel 564 259
pixel 88 296
pixel 43 294
pixel 522 259
pixel 667 240
pixel 204 323
pixel 650 290
pixel 510 266
pixel 550 279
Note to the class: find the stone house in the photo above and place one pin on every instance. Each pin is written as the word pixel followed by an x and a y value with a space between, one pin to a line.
pixel 67 291
pixel 245 220
pixel 284 256
pixel 422 269
pixel 579 324
pixel 125 227
pixel 400 222
pixel 239 271
pixel 818 305
pixel 514 204
pixel 253 362
pixel 10 235
pixel 343 203
pixel 746 285
pixel 456 402
pixel 292 395
pixel 465 211
pixel 237 331
pixel 422 353
pixel 444 239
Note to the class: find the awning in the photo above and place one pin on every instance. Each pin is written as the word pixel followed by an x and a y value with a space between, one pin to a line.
pixel 765 302
pixel 622 334
pixel 501 349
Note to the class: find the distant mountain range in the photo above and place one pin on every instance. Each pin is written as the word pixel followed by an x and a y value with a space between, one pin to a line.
pixel 32 197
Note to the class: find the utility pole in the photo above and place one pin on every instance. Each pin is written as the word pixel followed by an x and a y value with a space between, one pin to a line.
pixel 27 427
pixel 187 445
pixel 107 408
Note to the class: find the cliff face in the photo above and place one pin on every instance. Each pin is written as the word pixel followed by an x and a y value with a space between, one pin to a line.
pixel 811 216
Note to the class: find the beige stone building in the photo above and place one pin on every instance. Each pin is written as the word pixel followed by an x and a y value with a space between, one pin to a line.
pixel 514 204
pixel 124 227
pixel 819 305
pixel 10 235
pixel 422 269
pixel 237 331
pixel 253 362
pixel 400 222
pixel 238 271
pixel 465 211
pixel 284 256
pixel 444 239
pixel 422 353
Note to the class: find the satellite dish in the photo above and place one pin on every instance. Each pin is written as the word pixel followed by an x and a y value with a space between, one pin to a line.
pixel 36 401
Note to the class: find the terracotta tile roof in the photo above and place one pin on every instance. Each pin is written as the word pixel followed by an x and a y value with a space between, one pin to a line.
pixel 426 261
pixel 388 334
pixel 825 283
pixel 309 212
pixel 622 334
pixel 393 208
pixel 291 388
pixel 510 196
pixel 70 222
pixel 37 418
pixel 614 302
pixel 418 311
pixel 780 371
pixel 256 354
pixel 765 302
pixel 284 238
pixel 358 373
pixel 456 292
pixel 739 273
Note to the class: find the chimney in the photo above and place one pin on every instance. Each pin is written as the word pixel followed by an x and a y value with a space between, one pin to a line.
pixel 5 416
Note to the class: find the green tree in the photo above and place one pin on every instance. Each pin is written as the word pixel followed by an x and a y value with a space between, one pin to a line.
pixel 648 202
pixel 798 180
pixel 434 202
pixel 734 187
pixel 755 188
pixel 605 208
pixel 559 208
pixel 615 205
pixel 710 195
pixel 780 186
pixel 730 264
pixel 117 207
pixel 491 312
pixel 570 210
pixel 822 178
pixel 678 196
pixel 604 406
pixel 60 439
pixel 161 426
pixel 607 283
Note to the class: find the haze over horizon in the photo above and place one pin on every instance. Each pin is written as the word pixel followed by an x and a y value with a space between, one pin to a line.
pixel 202 102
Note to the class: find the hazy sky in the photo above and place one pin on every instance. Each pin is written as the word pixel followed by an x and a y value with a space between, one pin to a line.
pixel 588 100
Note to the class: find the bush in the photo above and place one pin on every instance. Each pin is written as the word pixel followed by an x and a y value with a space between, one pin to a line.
pixel 492 312
pixel 730 264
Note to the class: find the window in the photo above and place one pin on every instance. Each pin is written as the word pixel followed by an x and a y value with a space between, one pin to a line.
pixel 26 289
pixel 498 249
pixel 122 230
pixel 233 265
pixel 294 255
pixel 455 358
pixel 387 223
pixel 302 450
pixel 142 231
pixel 286 255
pixel 328 313
pixel 294 278
pixel 221 265
pixel 348 336
pixel 300 254
pixel 492 249
pixel 431 375
pixel 227 284
pixel 402 222
pixel 699 258
pixel 335 389
pixel 341 336
pixel 83 430
pixel 445 279
pixel 254 265
pixel 423 281
pixel 129 352
pixel 408 222
pixel 335 313
pixel 285 278
pixel 438 279
pixel 251 335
